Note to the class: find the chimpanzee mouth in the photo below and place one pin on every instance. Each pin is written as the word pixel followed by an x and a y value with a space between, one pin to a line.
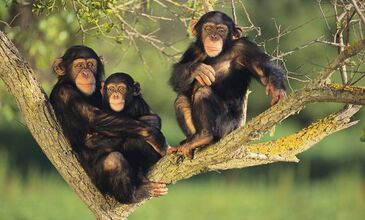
pixel 117 103
pixel 213 48
pixel 86 84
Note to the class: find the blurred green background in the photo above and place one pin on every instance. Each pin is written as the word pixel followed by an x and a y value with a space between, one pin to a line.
pixel 328 183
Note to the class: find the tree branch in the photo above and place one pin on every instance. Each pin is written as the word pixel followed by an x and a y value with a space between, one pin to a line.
pixel 285 149
pixel 348 52
pixel 358 11
pixel 41 121
pixel 173 168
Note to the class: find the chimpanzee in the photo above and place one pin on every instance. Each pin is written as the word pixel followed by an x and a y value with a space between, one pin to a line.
pixel 122 94
pixel 77 101
pixel 212 78
pixel 122 97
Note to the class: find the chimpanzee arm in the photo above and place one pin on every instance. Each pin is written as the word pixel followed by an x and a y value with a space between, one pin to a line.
pixel 121 126
pixel 96 117
pixel 139 109
pixel 110 124
pixel 151 119
pixel 259 63
pixel 269 74
pixel 182 78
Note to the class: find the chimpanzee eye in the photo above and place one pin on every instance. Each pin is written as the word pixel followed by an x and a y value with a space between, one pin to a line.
pixel 91 64
pixel 208 29
pixel 122 89
pixel 221 31
pixel 79 65
pixel 111 90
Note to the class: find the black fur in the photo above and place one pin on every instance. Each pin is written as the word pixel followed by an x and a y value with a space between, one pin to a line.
pixel 217 109
pixel 138 156
pixel 80 114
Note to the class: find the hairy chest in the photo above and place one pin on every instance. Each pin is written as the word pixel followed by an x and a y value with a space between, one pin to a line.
pixel 225 68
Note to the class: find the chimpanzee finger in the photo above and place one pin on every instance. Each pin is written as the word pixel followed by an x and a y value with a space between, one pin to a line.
pixel 156 193
pixel 282 94
pixel 160 190
pixel 210 75
pixel 267 89
pixel 188 153
pixel 200 80
pixel 274 100
pixel 171 150
pixel 206 79
pixel 209 68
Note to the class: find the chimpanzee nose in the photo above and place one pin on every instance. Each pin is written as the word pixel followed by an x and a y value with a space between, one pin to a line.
pixel 214 37
pixel 86 74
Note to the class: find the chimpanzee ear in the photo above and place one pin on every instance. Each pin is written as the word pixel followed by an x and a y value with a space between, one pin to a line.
pixel 192 25
pixel 57 68
pixel 102 60
pixel 237 32
pixel 136 89
pixel 102 87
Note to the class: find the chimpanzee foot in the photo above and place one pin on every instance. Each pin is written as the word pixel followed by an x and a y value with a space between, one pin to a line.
pixel 187 151
pixel 150 189
pixel 171 150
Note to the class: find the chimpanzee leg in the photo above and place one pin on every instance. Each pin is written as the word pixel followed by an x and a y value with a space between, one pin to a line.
pixel 184 115
pixel 206 108
pixel 114 175
pixel 232 119
pixel 140 154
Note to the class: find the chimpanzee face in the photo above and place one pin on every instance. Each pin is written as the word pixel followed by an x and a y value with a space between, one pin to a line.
pixel 83 73
pixel 216 31
pixel 119 91
pixel 117 96
pixel 82 67
pixel 213 37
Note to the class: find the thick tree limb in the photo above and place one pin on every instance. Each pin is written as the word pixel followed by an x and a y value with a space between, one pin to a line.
pixel 174 169
pixel 40 119
pixel 39 116
pixel 285 149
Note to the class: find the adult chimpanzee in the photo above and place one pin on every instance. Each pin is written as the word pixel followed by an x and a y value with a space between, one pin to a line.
pixel 212 78
pixel 76 99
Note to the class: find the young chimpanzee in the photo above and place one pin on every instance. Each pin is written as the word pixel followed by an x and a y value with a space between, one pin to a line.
pixel 77 101
pixel 212 78
pixel 122 97
pixel 122 94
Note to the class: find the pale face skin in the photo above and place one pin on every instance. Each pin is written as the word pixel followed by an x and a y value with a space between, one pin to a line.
pixel 116 95
pixel 213 36
pixel 83 73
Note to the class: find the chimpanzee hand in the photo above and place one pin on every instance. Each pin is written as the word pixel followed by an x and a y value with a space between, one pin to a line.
pixel 204 74
pixel 276 94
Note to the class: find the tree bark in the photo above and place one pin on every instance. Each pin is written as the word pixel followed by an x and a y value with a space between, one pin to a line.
pixel 234 151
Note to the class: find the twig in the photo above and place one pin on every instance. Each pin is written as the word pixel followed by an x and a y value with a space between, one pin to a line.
pixel 353 2
pixel 233 11
pixel 207 6
pixel 257 29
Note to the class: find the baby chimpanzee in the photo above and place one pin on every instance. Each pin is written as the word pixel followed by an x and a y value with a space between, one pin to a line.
pixel 130 154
